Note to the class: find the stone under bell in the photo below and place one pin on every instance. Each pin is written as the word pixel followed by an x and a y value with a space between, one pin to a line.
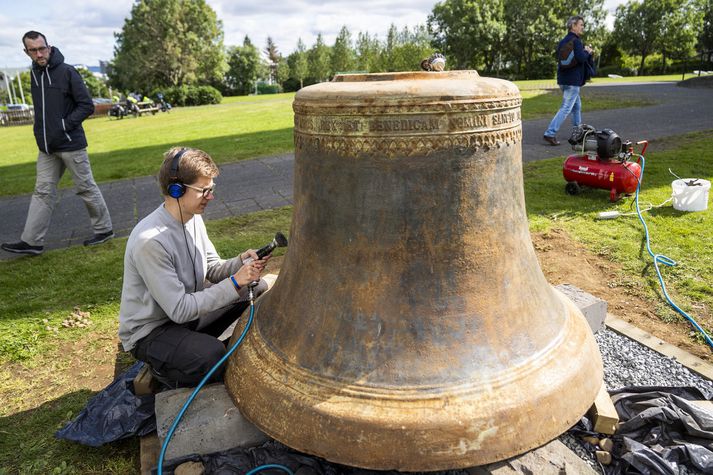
pixel 411 327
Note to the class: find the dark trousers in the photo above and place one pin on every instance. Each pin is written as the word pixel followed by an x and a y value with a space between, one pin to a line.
pixel 180 356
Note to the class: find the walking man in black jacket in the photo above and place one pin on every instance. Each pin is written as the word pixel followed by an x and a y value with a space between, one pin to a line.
pixel 61 102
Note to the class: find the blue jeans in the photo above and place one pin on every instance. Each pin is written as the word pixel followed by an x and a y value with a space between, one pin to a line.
pixel 570 103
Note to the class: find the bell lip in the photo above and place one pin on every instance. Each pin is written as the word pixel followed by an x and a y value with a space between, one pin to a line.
pixel 462 424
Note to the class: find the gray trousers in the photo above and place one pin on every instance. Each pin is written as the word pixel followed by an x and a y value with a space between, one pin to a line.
pixel 50 168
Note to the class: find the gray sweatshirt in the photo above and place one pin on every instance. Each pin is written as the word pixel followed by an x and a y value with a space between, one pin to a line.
pixel 159 277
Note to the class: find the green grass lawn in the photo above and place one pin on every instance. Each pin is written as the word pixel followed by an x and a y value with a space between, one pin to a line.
pixel 545 103
pixel 239 128
pixel 534 84
pixel 49 372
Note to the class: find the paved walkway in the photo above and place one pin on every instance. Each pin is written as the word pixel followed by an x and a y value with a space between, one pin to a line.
pixel 266 183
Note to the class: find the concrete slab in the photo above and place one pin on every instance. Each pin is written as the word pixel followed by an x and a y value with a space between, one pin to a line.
pixel 554 458
pixel 212 422
pixel 594 309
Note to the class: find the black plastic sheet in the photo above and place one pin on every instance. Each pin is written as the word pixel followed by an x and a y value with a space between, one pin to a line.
pixel 660 432
pixel 241 461
pixel 113 414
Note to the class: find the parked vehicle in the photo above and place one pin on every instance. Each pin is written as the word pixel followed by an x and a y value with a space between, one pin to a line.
pixel 163 106
pixel 118 111
pixel 18 107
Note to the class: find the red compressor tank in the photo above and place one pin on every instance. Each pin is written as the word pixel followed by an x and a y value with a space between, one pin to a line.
pixel 618 176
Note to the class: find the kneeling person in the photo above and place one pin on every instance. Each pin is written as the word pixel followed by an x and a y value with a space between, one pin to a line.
pixel 178 295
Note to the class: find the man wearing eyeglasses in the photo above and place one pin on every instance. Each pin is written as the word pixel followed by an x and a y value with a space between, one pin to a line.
pixel 178 295
pixel 61 103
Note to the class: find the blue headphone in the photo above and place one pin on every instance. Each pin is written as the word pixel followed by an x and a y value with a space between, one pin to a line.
pixel 176 189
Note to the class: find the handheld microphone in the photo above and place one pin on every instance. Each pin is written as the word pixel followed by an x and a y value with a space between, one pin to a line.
pixel 279 241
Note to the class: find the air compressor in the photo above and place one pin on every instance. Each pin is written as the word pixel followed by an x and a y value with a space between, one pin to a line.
pixel 602 161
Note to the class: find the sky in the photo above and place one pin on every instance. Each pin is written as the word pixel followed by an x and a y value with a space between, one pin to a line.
pixel 84 29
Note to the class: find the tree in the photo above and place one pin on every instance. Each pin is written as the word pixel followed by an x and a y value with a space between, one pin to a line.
pixel 368 50
pixel 168 43
pixel 404 50
pixel 342 55
pixel 386 60
pixel 244 67
pixel 297 62
pixel 638 27
pixel 96 87
pixel 680 27
pixel 535 27
pixel 411 47
pixel 318 60
pixel 468 32
pixel 705 37
pixel 273 58
pixel 282 70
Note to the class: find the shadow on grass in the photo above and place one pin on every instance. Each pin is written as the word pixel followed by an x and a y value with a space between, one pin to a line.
pixel 140 161
pixel 27 443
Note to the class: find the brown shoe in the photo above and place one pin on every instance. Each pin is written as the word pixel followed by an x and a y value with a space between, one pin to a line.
pixel 551 140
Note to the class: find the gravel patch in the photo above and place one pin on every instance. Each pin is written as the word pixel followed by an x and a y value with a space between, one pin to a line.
pixel 629 363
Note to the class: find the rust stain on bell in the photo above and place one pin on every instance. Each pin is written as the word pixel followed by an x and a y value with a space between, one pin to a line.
pixel 411 327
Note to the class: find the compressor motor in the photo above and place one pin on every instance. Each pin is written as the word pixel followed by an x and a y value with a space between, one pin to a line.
pixel 605 143
pixel 601 161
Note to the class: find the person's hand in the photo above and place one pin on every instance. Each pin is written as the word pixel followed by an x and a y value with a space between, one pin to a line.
pixel 249 272
pixel 251 256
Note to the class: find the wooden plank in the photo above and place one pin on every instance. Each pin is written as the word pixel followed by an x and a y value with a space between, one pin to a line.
pixel 603 413
pixel 143 382
pixel 692 362
pixel 706 406
pixel 150 450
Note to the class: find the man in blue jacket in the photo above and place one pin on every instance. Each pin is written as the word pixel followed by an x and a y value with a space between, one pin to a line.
pixel 572 72
pixel 61 102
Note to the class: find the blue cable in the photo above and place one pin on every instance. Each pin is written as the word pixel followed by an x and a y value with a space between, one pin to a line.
pixel 200 386
pixel 269 466
pixel 665 261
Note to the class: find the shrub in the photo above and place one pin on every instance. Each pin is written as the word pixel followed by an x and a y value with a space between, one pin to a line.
pixel 291 85
pixel 264 88
pixel 543 67
pixel 190 95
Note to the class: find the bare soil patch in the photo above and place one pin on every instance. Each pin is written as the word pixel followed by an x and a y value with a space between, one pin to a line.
pixel 565 261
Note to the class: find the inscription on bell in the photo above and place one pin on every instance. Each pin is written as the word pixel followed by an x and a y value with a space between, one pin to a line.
pixel 340 125
pixel 407 125
pixel 506 117
pixel 468 122
pixel 403 125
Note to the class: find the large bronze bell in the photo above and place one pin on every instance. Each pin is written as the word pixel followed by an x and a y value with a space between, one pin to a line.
pixel 411 327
